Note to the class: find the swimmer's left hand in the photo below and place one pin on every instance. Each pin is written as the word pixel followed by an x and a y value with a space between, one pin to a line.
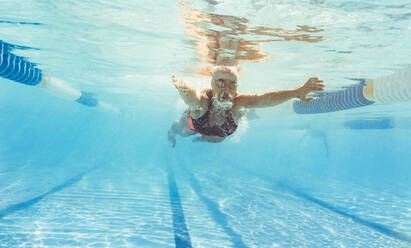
pixel 312 85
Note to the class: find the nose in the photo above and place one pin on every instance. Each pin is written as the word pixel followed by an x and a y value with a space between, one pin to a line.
pixel 225 96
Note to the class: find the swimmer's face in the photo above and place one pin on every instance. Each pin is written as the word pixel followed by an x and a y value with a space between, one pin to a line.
pixel 224 85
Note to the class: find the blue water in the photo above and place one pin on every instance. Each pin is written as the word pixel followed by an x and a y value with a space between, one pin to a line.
pixel 72 176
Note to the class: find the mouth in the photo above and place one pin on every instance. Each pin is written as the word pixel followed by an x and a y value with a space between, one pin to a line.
pixel 223 101
pixel 224 97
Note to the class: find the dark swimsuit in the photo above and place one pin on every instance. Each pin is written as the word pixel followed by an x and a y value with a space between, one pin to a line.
pixel 204 127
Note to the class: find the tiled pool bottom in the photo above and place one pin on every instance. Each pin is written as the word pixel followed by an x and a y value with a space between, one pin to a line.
pixel 175 206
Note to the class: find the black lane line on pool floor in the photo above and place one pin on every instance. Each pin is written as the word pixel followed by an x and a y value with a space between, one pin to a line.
pixel 26 204
pixel 181 235
pixel 375 226
pixel 218 217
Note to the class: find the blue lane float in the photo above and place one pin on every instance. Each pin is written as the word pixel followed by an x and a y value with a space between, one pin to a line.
pixel 331 101
pixel 20 70
pixel 16 68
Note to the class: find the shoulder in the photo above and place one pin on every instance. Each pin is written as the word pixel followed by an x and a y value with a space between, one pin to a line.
pixel 203 103
pixel 207 93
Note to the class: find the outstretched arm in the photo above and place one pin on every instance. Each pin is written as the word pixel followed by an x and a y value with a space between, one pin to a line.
pixel 276 97
pixel 196 102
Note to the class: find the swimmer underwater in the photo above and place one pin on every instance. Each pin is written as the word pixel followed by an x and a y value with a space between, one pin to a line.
pixel 215 113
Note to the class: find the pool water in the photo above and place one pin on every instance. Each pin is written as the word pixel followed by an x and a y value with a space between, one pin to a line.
pixel 73 176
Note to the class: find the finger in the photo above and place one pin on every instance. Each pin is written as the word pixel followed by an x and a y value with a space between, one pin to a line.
pixel 308 99
pixel 311 83
pixel 316 88
pixel 316 81
pixel 317 84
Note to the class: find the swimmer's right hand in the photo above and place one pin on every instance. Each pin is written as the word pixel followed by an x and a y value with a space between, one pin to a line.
pixel 179 83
